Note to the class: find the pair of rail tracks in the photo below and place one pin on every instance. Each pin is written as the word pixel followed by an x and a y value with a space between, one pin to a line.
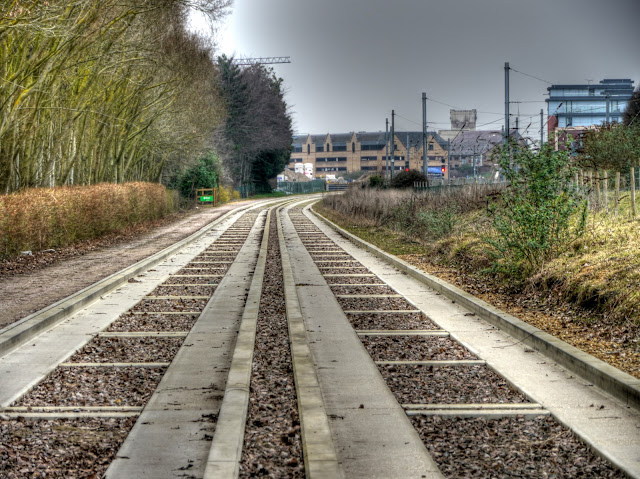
pixel 472 420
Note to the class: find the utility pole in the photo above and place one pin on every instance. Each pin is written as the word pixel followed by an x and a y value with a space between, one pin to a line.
pixel 474 163
pixel 392 140
pixel 425 169
pixel 506 103
pixel 541 128
pixel 407 163
pixel 386 156
pixel 448 162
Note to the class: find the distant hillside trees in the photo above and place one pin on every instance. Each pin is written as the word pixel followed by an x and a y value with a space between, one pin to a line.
pixel 103 90
pixel 255 139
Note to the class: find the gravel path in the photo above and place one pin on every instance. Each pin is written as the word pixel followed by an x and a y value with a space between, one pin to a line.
pixel 272 444
pixel 508 448
pixel 23 294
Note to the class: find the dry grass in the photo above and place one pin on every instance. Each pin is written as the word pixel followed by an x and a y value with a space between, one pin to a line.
pixel 601 272
pixel 425 215
pixel 42 218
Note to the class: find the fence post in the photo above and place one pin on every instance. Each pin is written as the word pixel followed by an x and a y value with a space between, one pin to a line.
pixel 633 192
pixel 617 198
pixel 605 189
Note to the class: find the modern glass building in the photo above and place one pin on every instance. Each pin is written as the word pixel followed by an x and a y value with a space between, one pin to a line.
pixel 591 104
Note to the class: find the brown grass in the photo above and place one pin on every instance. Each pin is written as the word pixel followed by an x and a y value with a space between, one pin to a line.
pixel 42 218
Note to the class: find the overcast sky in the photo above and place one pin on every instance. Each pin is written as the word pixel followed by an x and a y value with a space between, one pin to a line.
pixel 353 61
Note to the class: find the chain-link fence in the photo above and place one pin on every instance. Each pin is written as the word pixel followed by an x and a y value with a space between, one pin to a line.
pixel 296 187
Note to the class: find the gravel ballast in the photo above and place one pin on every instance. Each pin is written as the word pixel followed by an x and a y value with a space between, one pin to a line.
pixel 188 279
pixel 390 321
pixel 95 386
pixel 272 442
pixel 375 304
pixel 153 322
pixel 194 270
pixel 169 305
pixel 187 290
pixel 414 348
pixel 414 384
pixel 352 280
pixel 128 350
pixel 362 289
pixel 63 448
pixel 507 448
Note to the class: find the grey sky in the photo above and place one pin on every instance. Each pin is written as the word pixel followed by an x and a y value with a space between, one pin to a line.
pixel 355 60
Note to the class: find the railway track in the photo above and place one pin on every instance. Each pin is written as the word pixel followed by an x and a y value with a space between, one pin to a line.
pixel 275 347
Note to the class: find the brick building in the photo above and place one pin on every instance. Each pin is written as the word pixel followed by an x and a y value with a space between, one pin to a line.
pixel 339 153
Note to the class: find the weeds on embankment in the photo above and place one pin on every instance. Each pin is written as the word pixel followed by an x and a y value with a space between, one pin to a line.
pixel 40 218
pixel 586 296
pixel 599 271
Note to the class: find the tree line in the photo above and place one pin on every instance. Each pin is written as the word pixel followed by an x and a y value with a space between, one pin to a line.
pixel 120 90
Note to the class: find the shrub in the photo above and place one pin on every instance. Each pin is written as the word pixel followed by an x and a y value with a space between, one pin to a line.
pixel 204 174
pixel 376 181
pixel 42 218
pixel 406 179
pixel 539 215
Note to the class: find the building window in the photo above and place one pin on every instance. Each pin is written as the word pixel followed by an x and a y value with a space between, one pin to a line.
pixel 297 148
pixel 319 148
pixel 371 147
pixel 353 147
pixel 339 147
pixel 430 146
pixel 308 149
pixel 328 147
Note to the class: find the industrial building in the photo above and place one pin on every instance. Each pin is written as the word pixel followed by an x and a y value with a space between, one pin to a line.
pixel 340 153
pixel 584 105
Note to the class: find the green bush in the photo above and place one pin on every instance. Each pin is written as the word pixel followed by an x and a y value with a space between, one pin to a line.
pixel 538 215
pixel 376 181
pixel 204 174
pixel 406 179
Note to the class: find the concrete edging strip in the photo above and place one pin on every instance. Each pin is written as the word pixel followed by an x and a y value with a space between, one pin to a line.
pixel 226 449
pixel 320 458
pixel 16 334
pixel 618 384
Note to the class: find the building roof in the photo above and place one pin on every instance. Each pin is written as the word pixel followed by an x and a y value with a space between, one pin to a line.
pixel 371 138
pixel 340 137
pixel 415 138
pixel 480 140
pixel 622 86
pixel 318 139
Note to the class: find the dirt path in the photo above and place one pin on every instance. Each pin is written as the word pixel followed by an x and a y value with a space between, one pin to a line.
pixel 23 294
